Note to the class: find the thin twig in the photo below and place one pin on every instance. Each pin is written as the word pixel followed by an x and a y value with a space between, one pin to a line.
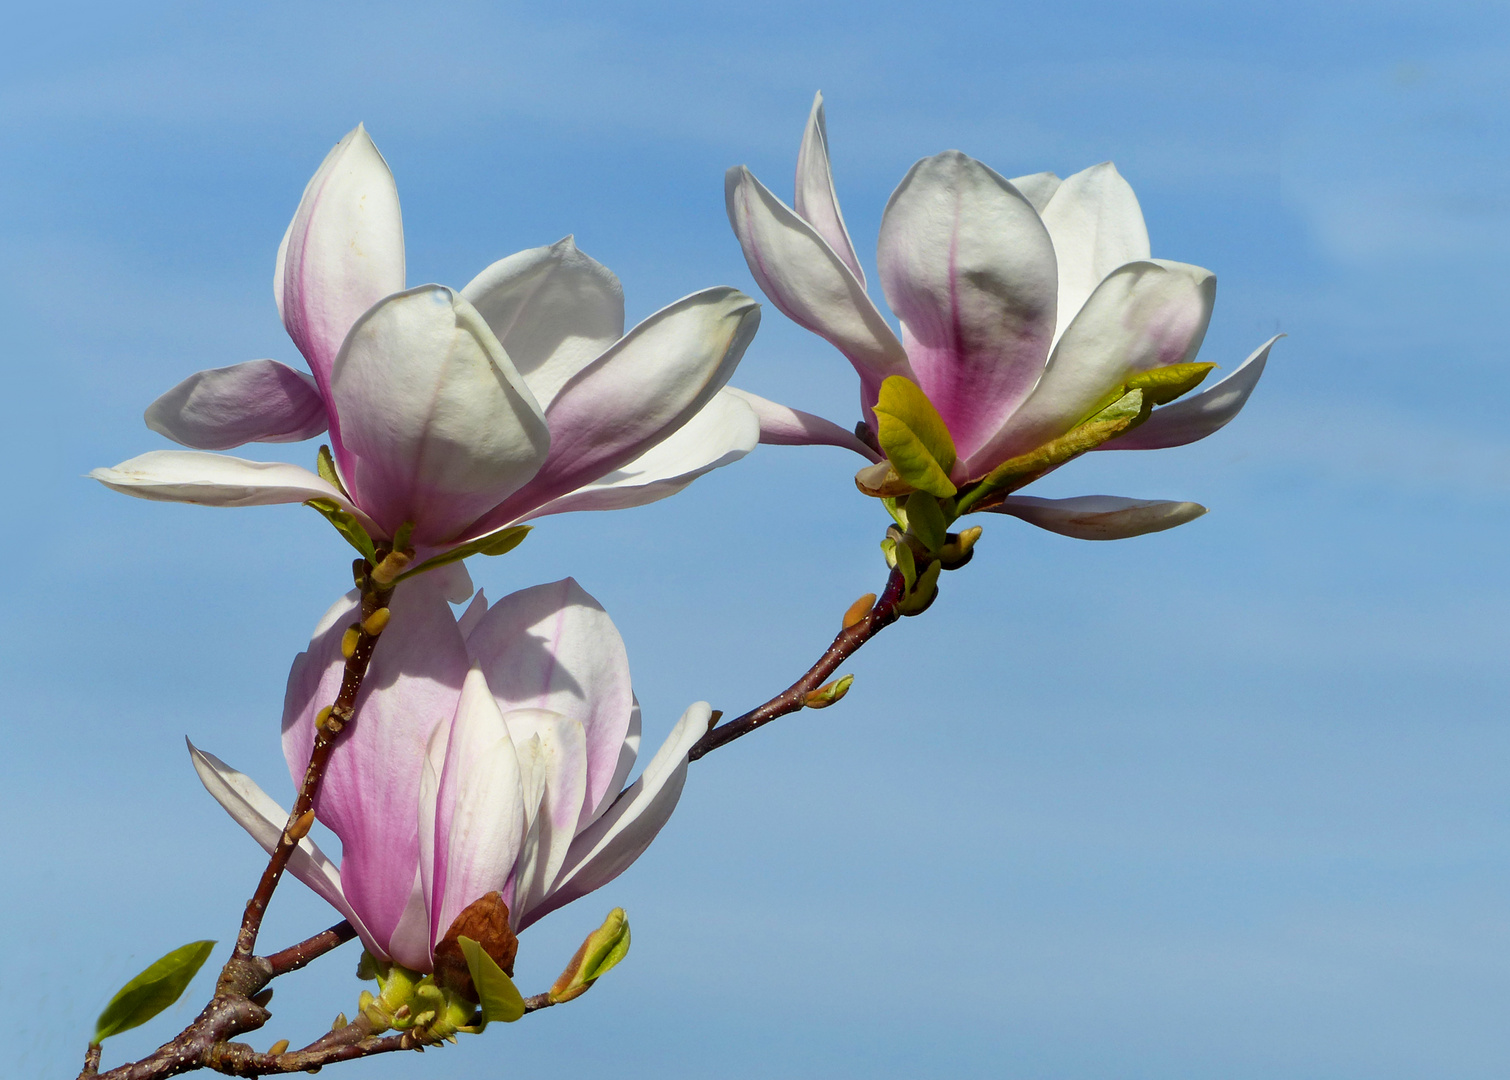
pixel 881 615
pixel 296 956
pixel 92 1060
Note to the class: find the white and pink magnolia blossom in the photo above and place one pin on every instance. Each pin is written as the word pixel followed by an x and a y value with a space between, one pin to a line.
pixel 487 753
pixel 457 411
pixel 1022 304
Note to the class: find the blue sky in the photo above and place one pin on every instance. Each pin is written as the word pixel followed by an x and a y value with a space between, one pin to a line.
pixel 1227 802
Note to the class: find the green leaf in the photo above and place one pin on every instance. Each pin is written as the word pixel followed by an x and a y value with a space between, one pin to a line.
pixel 925 518
pixel 920 596
pixel 494 543
pixel 325 465
pixel 346 524
pixel 496 992
pixel 607 945
pixel 153 990
pixel 914 437
pixel 1164 384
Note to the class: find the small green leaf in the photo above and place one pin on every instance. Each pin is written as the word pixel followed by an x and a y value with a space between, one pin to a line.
pixel 914 437
pixel 325 465
pixel 907 564
pixel 918 598
pixel 153 990
pixel 609 945
pixel 925 518
pixel 496 992
pixel 1164 384
pixel 494 543
pixel 346 524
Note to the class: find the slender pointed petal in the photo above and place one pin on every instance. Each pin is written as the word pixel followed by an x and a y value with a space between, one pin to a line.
pixel 256 812
pixel 629 752
pixel 343 252
pixel 560 753
pixel 258 401
pixel 437 426
pixel 653 381
pixel 800 273
pixel 1200 414
pixel 191 476
pixel 1100 517
pixel 479 808
pixel 1144 315
pixel 817 201
pixel 724 431
pixel 370 793
pixel 1037 188
pixel 605 849
pixel 1097 226
pixel 966 263
pixel 553 647
pixel 554 309
pixel 782 426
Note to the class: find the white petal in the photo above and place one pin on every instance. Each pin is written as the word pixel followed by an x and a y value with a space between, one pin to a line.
pixel 1097 225
pixel 783 426
pixel 256 812
pixel 554 310
pixel 191 476
pixel 1198 415
pixel 606 848
pixel 816 199
pixel 1037 188
pixel 258 401
pixel 559 749
pixel 1100 517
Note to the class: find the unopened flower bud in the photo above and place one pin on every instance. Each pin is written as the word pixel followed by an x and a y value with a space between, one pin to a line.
pixel 322 720
pixel 300 828
pixel 339 1022
pixel 373 625
pixel 349 641
pixel 391 567
pixel 859 609
pixel 604 948
pixel 278 1047
pixel 960 548
pixel 828 693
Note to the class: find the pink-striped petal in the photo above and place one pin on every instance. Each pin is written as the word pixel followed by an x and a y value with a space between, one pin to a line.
pixel 343 252
pixel 1096 225
pixel 1100 517
pixel 968 266
pixel 1144 315
pixel 817 201
pixel 258 401
pixel 783 426
pixel 437 427
pixel 370 794
pixel 1198 415
pixel 606 848
pixel 554 310
pixel 553 647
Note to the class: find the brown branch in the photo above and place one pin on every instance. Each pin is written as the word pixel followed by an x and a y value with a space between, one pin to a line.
pixel 92 1060
pixel 341 714
pixel 296 956
pixel 881 615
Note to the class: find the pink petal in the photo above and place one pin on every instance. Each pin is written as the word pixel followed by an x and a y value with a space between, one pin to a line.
pixel 370 795
pixel 556 748
pixel 817 201
pixel 553 647
pixel 343 252
pixel 967 264
pixel 1100 517
pixel 781 426
pixel 258 401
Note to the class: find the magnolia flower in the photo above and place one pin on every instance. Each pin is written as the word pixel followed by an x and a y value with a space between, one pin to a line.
pixel 459 412
pixel 488 754
pixel 1026 307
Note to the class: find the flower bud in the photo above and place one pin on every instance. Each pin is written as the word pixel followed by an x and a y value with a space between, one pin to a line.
pixel 602 949
pixel 349 641
pixel 959 548
pixel 828 693
pixel 859 609
pixel 374 624
pixel 278 1047
pixel 922 594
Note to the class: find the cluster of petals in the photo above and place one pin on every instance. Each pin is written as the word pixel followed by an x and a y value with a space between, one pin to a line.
pixel 458 412
pixel 488 753
pixel 1022 304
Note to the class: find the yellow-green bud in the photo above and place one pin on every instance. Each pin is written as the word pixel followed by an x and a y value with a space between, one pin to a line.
pixel 828 693
pixel 349 641
pixel 374 624
pixel 602 949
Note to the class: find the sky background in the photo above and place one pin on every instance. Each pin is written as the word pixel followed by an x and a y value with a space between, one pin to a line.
pixel 1224 802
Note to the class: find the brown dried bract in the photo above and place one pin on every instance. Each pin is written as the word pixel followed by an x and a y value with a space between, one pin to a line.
pixel 485 921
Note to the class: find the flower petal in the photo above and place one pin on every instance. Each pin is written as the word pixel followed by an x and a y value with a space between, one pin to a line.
pixel 256 812
pixel 781 426
pixel 553 647
pixel 436 425
pixel 1144 315
pixel 1097 226
pixel 554 310
pixel 653 381
pixel 370 794
pixel 343 252
pixel 258 401
pixel 1198 415
pixel 800 273
pixel 1037 188
pixel 480 812
pixel 606 848
pixel 968 266
pixel 817 201
pixel 559 747
pixel 1100 517
pixel 191 476
pixel 723 431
